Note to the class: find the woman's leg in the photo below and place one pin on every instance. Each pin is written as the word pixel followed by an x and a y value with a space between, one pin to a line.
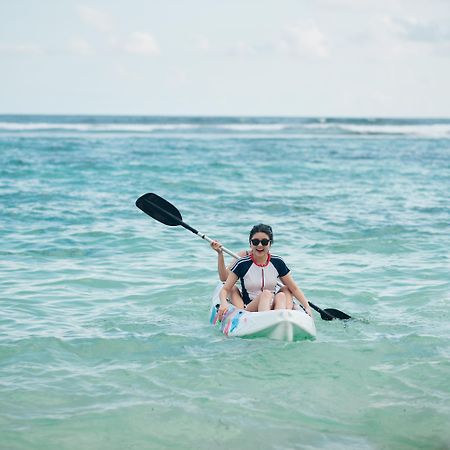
pixel 280 301
pixel 263 302
pixel 289 297
pixel 236 298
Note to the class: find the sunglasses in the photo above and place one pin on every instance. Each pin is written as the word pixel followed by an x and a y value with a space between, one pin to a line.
pixel 256 242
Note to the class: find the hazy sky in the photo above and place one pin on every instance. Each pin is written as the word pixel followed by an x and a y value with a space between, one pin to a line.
pixel 229 57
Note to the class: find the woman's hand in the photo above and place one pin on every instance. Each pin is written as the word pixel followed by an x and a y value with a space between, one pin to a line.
pixel 217 246
pixel 224 293
pixel 222 310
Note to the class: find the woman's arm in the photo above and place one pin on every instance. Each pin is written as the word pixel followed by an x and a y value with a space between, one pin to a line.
pixel 296 292
pixel 223 272
pixel 225 292
pixel 221 268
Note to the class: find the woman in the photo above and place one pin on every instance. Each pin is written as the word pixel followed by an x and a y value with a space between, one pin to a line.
pixel 235 295
pixel 259 272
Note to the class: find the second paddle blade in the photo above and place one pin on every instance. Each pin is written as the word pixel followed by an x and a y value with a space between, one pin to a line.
pixel 160 209
pixel 335 314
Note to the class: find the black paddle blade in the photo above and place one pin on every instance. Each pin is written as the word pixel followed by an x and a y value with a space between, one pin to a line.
pixel 331 313
pixel 160 209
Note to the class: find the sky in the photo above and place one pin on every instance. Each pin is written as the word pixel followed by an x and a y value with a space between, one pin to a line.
pixel 357 58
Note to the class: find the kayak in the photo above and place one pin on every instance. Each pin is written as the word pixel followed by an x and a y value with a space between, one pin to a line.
pixel 281 324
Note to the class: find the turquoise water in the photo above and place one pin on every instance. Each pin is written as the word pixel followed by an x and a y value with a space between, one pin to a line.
pixel 104 334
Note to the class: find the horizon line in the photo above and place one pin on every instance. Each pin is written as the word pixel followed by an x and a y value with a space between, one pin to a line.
pixel 247 116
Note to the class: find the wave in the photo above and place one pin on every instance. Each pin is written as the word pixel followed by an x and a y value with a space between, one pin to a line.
pixel 426 128
pixel 145 128
pixel 423 130
pixel 254 127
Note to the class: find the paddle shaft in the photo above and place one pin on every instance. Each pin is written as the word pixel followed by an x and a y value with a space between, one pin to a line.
pixel 191 229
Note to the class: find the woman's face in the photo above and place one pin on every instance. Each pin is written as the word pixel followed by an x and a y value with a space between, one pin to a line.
pixel 257 243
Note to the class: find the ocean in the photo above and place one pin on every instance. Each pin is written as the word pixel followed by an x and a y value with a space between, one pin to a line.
pixel 104 335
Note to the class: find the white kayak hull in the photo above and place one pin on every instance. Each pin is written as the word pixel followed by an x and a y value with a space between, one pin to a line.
pixel 281 324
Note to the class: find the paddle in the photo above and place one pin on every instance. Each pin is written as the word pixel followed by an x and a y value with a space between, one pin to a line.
pixel 164 212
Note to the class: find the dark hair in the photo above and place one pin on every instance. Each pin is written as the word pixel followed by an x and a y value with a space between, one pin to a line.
pixel 261 228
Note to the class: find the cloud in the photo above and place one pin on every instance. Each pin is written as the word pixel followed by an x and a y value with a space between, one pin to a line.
pixel 203 43
pixel 81 47
pixel 243 49
pixel 301 39
pixel 141 43
pixel 413 29
pixel 125 73
pixel 304 39
pixel 100 20
pixel 21 49
pixel 409 36
pixel 138 43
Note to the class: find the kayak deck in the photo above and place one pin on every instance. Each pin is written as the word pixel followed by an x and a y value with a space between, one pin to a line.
pixel 281 324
